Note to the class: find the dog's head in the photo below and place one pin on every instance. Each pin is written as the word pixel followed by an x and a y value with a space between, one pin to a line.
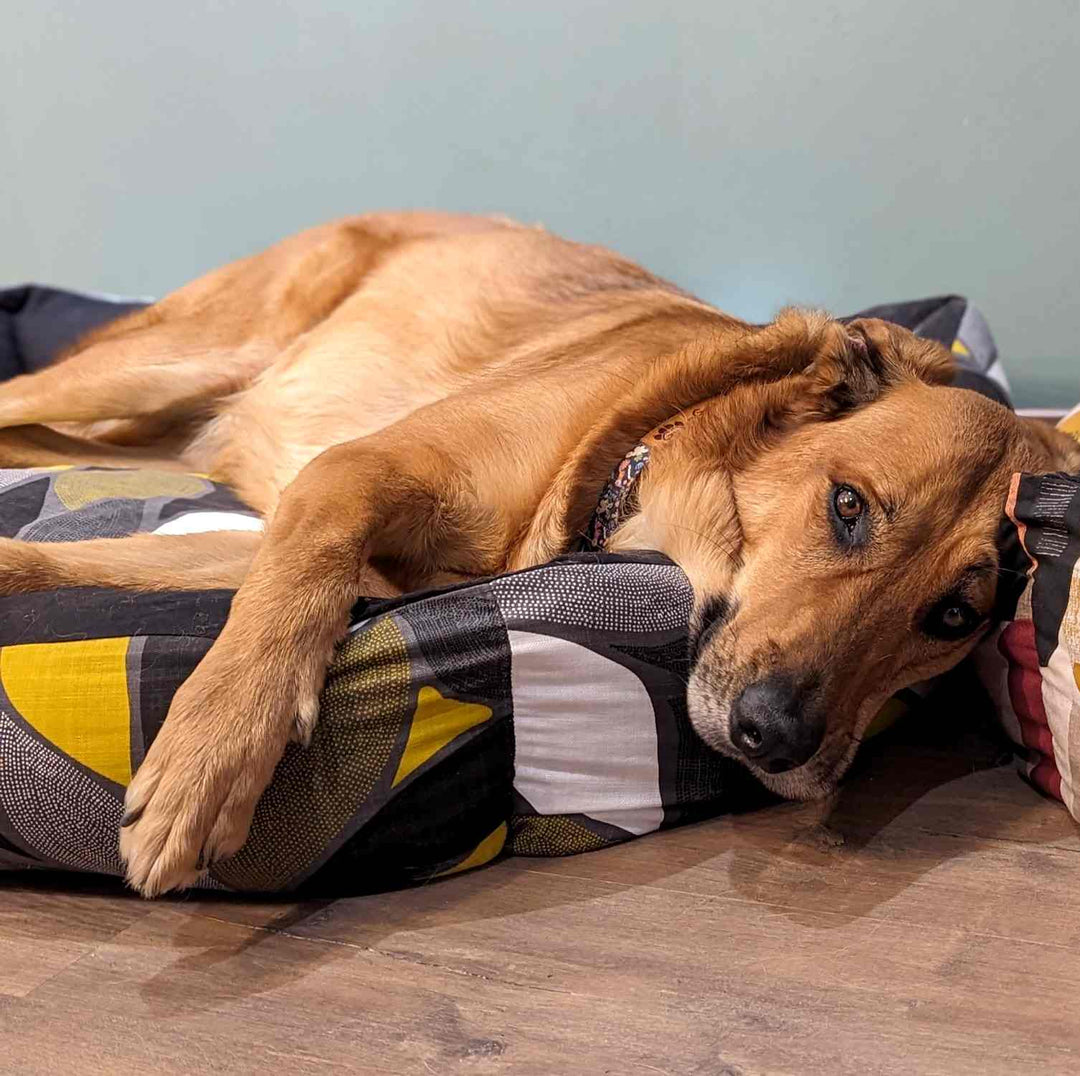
pixel 850 551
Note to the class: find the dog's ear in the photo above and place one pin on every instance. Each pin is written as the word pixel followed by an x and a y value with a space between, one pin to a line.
pixel 863 357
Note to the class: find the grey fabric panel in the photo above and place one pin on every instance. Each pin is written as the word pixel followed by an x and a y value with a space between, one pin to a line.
pixel 599 597
pixel 974 333
pixel 62 811
pixel 111 518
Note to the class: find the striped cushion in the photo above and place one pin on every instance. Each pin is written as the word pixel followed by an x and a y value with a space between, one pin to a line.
pixel 1031 664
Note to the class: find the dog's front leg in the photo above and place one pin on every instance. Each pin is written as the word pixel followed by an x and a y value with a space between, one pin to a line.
pixel 194 796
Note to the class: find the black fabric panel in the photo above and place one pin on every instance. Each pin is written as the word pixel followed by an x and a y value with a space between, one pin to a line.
pixel 22 505
pixel 7 846
pixel 462 638
pixel 943 324
pixel 704 783
pixel 937 318
pixel 429 825
pixel 103 613
pixel 37 323
pixel 980 383
pixel 1013 568
pixel 10 362
pixel 166 662
pixel 1049 507
pixel 671 656
pixel 695 781
pixel 218 499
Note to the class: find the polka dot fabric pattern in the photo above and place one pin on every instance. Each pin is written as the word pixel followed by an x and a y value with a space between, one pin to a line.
pixel 557 835
pixel 317 791
pixel 63 815
pixel 599 596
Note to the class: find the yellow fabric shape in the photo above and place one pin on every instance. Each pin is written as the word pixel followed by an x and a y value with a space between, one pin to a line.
pixel 1070 424
pixel 437 721
pixel 77 489
pixel 483 853
pixel 959 347
pixel 75 694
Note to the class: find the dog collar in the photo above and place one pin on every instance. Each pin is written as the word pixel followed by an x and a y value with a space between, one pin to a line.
pixel 614 504
pixel 618 499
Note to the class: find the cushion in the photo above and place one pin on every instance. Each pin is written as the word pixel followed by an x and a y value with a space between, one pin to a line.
pixel 37 323
pixel 541 712
pixel 1031 664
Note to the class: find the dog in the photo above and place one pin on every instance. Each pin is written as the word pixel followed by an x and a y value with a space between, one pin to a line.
pixel 412 399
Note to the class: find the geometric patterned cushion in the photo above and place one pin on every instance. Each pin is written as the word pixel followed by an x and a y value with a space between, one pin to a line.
pixel 541 712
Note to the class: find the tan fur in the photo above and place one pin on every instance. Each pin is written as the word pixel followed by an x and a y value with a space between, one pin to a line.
pixel 411 398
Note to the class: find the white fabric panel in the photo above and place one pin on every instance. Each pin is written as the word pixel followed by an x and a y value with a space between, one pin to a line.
pixel 12 475
pixel 585 735
pixel 201 522
pixel 1062 704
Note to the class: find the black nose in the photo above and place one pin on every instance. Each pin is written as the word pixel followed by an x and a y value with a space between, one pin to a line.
pixel 771 725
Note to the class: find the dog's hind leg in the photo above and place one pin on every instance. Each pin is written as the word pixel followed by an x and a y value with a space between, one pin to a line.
pixel 172 361
pixel 162 370
pixel 148 562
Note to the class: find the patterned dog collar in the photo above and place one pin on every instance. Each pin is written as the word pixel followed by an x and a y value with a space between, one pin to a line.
pixel 618 499
pixel 614 504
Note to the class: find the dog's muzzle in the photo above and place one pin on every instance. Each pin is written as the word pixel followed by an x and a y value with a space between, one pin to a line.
pixel 772 725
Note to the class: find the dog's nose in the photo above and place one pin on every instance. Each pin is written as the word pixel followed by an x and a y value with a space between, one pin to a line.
pixel 770 726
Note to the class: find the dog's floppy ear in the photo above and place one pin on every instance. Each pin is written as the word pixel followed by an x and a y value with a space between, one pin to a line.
pixel 865 356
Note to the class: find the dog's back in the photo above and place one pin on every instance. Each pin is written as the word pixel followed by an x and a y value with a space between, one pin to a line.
pixel 343 330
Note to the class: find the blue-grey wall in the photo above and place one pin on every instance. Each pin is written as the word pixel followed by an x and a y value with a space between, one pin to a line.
pixel 833 152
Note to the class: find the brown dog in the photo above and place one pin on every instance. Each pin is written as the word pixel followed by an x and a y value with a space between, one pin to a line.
pixel 414 398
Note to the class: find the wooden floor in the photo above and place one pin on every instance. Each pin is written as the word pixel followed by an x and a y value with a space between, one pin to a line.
pixel 933 927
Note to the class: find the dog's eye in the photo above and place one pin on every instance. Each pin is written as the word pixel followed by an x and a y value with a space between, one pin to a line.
pixel 951 619
pixel 849 505
pixel 850 519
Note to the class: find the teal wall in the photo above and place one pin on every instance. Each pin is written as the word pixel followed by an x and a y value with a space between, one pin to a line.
pixel 832 152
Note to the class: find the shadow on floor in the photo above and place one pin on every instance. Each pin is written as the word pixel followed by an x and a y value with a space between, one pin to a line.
pixel 216 948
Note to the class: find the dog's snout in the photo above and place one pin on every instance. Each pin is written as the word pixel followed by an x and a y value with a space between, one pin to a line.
pixel 714 613
pixel 772 727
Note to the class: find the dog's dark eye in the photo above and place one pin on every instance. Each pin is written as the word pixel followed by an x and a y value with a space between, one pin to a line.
pixel 849 517
pixel 951 619
pixel 848 503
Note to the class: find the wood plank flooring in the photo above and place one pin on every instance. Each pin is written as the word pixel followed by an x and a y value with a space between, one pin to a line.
pixel 932 925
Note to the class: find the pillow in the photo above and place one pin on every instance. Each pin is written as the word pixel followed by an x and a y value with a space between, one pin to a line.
pixel 541 712
pixel 1031 664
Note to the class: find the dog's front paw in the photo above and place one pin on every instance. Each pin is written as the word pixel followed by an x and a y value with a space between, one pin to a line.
pixel 307 717
pixel 193 798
